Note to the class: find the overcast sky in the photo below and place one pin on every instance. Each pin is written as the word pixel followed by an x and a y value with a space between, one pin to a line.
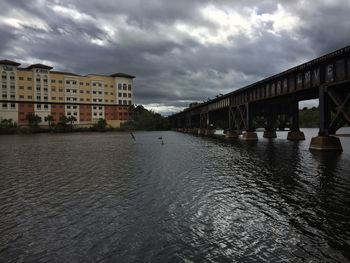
pixel 180 51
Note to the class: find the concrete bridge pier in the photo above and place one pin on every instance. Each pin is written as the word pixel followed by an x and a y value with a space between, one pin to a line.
pixel 270 134
pixel 325 141
pixel 295 134
pixel 249 134
pixel 270 131
pixel 231 134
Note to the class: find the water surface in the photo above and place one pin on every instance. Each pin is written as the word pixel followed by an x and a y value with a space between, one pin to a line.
pixel 102 197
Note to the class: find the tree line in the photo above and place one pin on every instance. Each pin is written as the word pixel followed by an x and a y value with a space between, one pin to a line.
pixel 142 119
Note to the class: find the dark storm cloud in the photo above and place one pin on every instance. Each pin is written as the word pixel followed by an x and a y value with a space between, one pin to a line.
pixel 180 51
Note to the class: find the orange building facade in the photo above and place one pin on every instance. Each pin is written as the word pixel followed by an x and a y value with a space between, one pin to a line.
pixel 39 90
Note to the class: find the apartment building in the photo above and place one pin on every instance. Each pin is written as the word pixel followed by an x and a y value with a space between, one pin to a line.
pixel 40 90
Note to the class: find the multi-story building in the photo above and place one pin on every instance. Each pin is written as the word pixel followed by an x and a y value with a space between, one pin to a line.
pixel 40 90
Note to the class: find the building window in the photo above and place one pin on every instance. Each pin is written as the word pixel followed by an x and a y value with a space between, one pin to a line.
pixel 129 95
pixel 60 90
pixel 74 83
pixel 125 95
pixel 106 100
pixel 4 76
pixel 69 113
pixel 21 87
pixel 29 79
pixel 106 93
pixel 100 92
pixel 81 99
pixel 74 107
pixel 53 89
pixel 68 90
pixel 100 108
pixel 60 81
pixel 88 91
pixel 12 96
pixel 111 86
pixel 4 96
pixel 74 99
pixel 94 107
pixel 94 84
pixel 67 82
pixel 125 102
pixel 106 85
pixel 4 105
pixel 120 94
pixel 46 106
pixel 38 106
pixel 30 97
pixel 81 91
pixel 21 78
pixel 81 83
pixel 68 99
pixel 94 92
pixel 129 102
pixel 75 113
pixel 53 81
pixel 87 99
pixel 54 98
pixel 87 84
pixel 60 98
pixel 21 96
pixel 129 87
pixel 124 86
pixel 119 86
pixel 37 79
pixel 38 97
pixel 29 88
pixel 99 84
pixel 120 102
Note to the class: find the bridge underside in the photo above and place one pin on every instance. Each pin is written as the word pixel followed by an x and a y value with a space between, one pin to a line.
pixel 275 114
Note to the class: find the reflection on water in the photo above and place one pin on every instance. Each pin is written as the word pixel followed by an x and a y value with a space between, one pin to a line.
pixel 104 197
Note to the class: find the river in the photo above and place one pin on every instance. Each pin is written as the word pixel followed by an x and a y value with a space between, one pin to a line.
pixel 103 197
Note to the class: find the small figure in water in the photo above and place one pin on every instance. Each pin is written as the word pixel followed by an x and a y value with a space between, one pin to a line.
pixel 162 142
pixel 132 136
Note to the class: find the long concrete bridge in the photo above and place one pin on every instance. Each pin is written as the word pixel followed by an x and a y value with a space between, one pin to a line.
pixel 272 103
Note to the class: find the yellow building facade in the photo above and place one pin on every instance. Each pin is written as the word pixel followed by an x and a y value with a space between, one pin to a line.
pixel 39 90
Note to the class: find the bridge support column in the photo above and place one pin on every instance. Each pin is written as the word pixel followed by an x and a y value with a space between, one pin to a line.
pixel 325 142
pixel 270 134
pixel 249 134
pixel 295 134
pixel 270 131
pixel 230 134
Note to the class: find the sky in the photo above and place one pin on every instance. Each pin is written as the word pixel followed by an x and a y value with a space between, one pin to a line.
pixel 180 51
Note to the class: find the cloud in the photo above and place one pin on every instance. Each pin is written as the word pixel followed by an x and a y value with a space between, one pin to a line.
pixel 181 51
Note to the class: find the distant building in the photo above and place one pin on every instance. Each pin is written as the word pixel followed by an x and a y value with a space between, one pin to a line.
pixel 44 92
pixel 193 104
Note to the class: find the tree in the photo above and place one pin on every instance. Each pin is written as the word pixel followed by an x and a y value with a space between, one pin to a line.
pixel 100 125
pixel 49 119
pixel 71 119
pixel 33 120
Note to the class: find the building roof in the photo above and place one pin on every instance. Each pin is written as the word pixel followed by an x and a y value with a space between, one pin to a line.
pixel 9 62
pixel 65 73
pixel 39 66
pixel 122 75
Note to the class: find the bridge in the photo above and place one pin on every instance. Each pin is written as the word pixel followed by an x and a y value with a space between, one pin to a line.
pixel 273 103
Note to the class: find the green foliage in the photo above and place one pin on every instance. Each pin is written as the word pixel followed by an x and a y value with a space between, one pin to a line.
pixel 100 125
pixel 8 126
pixel 49 119
pixel 143 119
pixel 33 122
pixel 309 118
